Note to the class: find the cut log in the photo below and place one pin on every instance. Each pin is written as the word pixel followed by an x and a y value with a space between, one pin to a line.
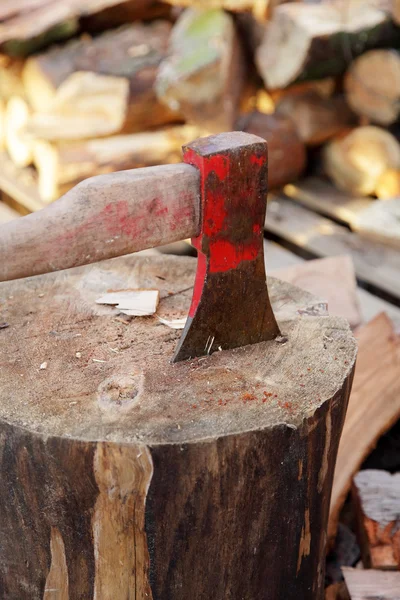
pixel 317 119
pixel 133 53
pixel 63 163
pixel 135 474
pixel 330 279
pixel 10 78
pixel 85 105
pixel 388 185
pixel 310 41
pixel 371 584
pixel 2 125
pixel 380 221
pixel 16 118
pixel 357 161
pixel 26 29
pixel 376 495
pixel 286 151
pixel 374 405
pixel 203 76
pixel 372 86
pixel 258 7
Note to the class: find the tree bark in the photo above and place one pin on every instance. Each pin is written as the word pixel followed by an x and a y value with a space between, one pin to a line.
pixel 204 74
pixel 132 53
pixel 129 477
pixel 286 151
pixel 311 41
pixel 372 96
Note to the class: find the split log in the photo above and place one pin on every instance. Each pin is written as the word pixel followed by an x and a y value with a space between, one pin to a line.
pixel 310 41
pixel 317 119
pixel 131 473
pixel 258 7
pixel 376 495
pixel 357 161
pixel 30 26
pixel 380 222
pixel 203 76
pixel 374 405
pixel 132 53
pixel 388 184
pixel 337 591
pixel 372 86
pixel 10 78
pixel 16 118
pixel 286 151
pixel 67 163
pixel 2 125
pixel 371 584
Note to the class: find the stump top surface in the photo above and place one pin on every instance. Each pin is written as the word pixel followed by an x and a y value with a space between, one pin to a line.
pixel 121 386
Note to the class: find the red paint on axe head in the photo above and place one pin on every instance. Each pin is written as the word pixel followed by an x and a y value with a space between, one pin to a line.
pixel 230 305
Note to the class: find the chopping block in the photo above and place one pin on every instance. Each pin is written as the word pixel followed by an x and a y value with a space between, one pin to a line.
pixel 140 464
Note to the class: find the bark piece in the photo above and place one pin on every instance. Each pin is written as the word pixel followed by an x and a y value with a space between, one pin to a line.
pixel 203 76
pixel 64 164
pixel 124 466
pixel 300 34
pixel 132 52
pixel 357 161
pixel 286 152
pixel 377 498
pixel 317 119
pixel 374 405
pixel 367 584
pixel 372 86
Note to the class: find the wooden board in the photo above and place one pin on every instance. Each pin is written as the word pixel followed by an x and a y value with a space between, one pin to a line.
pixel 375 263
pixel 372 584
pixel 278 259
pixel 374 405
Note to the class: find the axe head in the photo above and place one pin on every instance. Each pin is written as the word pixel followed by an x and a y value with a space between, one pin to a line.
pixel 230 305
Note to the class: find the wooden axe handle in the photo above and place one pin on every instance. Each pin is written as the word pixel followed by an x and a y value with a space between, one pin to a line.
pixel 104 217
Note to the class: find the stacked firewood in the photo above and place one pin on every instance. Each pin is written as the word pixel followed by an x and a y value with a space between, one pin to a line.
pixel 91 86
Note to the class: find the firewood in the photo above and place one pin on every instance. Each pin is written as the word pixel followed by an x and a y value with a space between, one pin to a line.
pixel 357 161
pixel 373 408
pixel 67 163
pixel 317 119
pixel 2 124
pixel 337 591
pixel 286 151
pixel 203 76
pixel 376 495
pixel 395 11
pixel 10 77
pixel 133 53
pixel 85 105
pixel 372 86
pixel 388 184
pixel 130 475
pixel 371 584
pixel 258 7
pixel 16 117
pixel 27 27
pixel 300 34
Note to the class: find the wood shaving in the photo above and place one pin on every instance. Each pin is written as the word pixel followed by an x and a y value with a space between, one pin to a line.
pixel 135 303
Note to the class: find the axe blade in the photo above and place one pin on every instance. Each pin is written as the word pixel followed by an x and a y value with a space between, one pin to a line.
pixel 230 305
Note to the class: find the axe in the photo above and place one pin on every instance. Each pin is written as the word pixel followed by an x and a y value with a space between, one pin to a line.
pixel 217 196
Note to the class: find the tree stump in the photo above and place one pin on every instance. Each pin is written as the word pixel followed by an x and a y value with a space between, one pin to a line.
pixel 124 476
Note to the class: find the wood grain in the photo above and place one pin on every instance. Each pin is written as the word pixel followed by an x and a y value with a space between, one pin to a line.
pixel 374 405
pixel 368 584
pixel 117 449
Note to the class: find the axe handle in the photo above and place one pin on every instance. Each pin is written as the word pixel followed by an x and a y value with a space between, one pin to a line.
pixel 104 217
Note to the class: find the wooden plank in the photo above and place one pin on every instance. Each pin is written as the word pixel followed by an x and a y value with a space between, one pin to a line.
pixel 279 258
pixel 376 498
pixel 375 263
pixel 374 405
pixel 371 584
pixel 20 184
pixel 320 195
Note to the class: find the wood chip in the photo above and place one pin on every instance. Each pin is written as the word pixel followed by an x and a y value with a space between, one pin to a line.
pixel 173 323
pixel 4 325
pixel 136 303
pixel 43 366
